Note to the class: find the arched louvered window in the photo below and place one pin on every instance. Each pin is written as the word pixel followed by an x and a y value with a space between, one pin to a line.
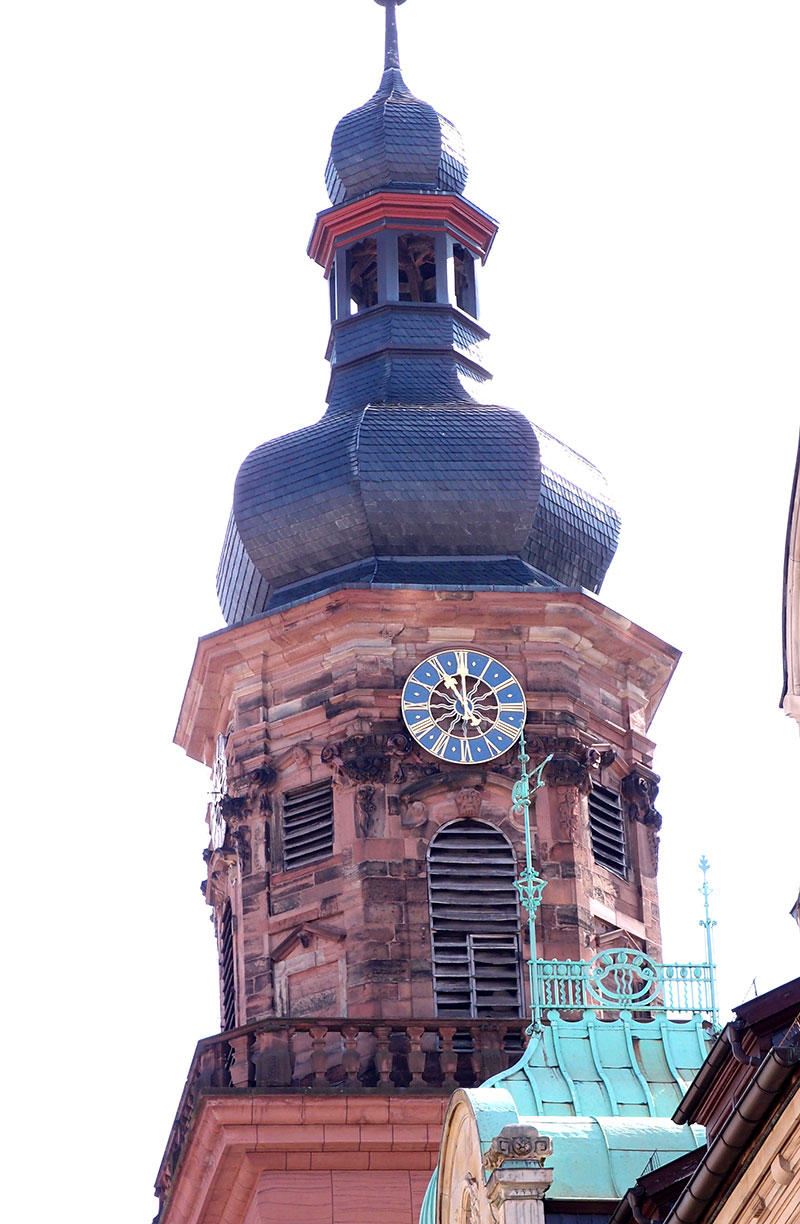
pixel 226 969
pixel 474 921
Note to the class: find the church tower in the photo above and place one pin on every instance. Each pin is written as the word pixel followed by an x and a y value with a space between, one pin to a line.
pixel 407 585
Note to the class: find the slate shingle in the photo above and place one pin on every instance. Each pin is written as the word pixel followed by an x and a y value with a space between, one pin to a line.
pixel 394 140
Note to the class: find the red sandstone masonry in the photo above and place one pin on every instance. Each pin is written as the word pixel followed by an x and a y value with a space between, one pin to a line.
pixel 587 672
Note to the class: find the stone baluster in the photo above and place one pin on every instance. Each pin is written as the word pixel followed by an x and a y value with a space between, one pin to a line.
pixel 212 1067
pixel 383 1057
pixel 272 1057
pixel 239 1066
pixel 448 1058
pixel 416 1057
pixel 319 1060
pixel 350 1057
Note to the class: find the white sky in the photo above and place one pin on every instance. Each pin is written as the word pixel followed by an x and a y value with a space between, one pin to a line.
pixel 163 163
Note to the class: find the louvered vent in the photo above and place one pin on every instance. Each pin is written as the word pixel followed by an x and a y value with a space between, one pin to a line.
pixel 474 922
pixel 226 969
pixel 605 826
pixel 307 825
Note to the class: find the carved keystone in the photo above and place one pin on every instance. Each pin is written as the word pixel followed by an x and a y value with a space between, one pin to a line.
pixel 517 1182
pixel 518 1143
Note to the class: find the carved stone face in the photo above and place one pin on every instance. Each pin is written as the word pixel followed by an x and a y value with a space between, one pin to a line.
pixel 468 802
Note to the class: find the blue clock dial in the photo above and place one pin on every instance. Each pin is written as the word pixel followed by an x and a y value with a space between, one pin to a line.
pixel 463 706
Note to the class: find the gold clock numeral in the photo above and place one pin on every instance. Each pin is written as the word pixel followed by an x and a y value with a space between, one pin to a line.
pixel 515 707
pixel 423 726
pixel 448 680
pixel 417 705
pixel 440 745
pixel 462 667
pixel 466 753
pixel 506 728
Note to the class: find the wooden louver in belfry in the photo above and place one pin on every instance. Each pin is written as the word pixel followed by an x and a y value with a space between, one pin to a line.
pixel 227 970
pixel 606 829
pixel 474 922
pixel 307 825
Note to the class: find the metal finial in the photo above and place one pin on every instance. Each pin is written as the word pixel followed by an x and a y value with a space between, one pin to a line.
pixel 392 54
pixel 530 884
pixel 708 923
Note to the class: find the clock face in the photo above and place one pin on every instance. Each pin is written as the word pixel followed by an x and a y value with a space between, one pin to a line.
pixel 463 706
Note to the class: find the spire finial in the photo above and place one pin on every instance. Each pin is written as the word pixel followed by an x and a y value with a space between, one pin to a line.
pixel 392 54
pixel 708 923
pixel 530 884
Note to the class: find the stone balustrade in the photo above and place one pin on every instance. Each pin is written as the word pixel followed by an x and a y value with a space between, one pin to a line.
pixel 343 1056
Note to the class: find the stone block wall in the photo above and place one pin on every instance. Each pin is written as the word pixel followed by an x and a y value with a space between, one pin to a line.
pixel 312 694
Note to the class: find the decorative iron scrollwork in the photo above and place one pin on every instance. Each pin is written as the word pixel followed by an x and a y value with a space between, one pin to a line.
pixel 622 978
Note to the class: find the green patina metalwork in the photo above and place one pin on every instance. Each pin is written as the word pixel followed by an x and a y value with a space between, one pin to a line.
pixel 614 1043
pixel 617 978
pixel 530 884
pixel 607 1068
pixel 603 1090
pixel 595 1159
pixel 626 979
pixel 708 924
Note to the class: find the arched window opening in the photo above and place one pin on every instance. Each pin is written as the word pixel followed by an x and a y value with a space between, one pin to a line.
pixel 417 268
pixel 474 922
pixel 363 266
pixel 466 288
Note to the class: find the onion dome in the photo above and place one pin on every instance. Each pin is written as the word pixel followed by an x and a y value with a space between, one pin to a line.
pixel 394 140
pixel 436 496
pixel 408 479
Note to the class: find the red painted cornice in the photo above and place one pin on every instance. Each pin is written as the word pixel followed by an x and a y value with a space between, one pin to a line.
pixel 396 210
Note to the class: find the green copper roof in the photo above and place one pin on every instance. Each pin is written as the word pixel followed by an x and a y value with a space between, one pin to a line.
pixel 603 1090
pixel 427 1212
pixel 589 1067
pixel 594 1158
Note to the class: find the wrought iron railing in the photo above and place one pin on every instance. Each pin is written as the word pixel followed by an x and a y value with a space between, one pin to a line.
pixel 623 979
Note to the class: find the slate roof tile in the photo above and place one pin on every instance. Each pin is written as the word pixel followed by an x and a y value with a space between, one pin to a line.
pixel 394 139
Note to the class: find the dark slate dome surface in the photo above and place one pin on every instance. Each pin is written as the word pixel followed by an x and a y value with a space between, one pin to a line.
pixel 447 495
pixel 394 140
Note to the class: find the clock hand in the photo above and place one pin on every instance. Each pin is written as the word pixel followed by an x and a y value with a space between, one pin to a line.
pixel 469 714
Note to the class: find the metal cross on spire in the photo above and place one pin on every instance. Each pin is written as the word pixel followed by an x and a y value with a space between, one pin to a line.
pixel 392 54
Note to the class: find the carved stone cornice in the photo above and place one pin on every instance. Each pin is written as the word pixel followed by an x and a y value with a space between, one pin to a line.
pixel 640 789
pixel 573 763
pixel 362 759
pixel 249 790
pixel 220 862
